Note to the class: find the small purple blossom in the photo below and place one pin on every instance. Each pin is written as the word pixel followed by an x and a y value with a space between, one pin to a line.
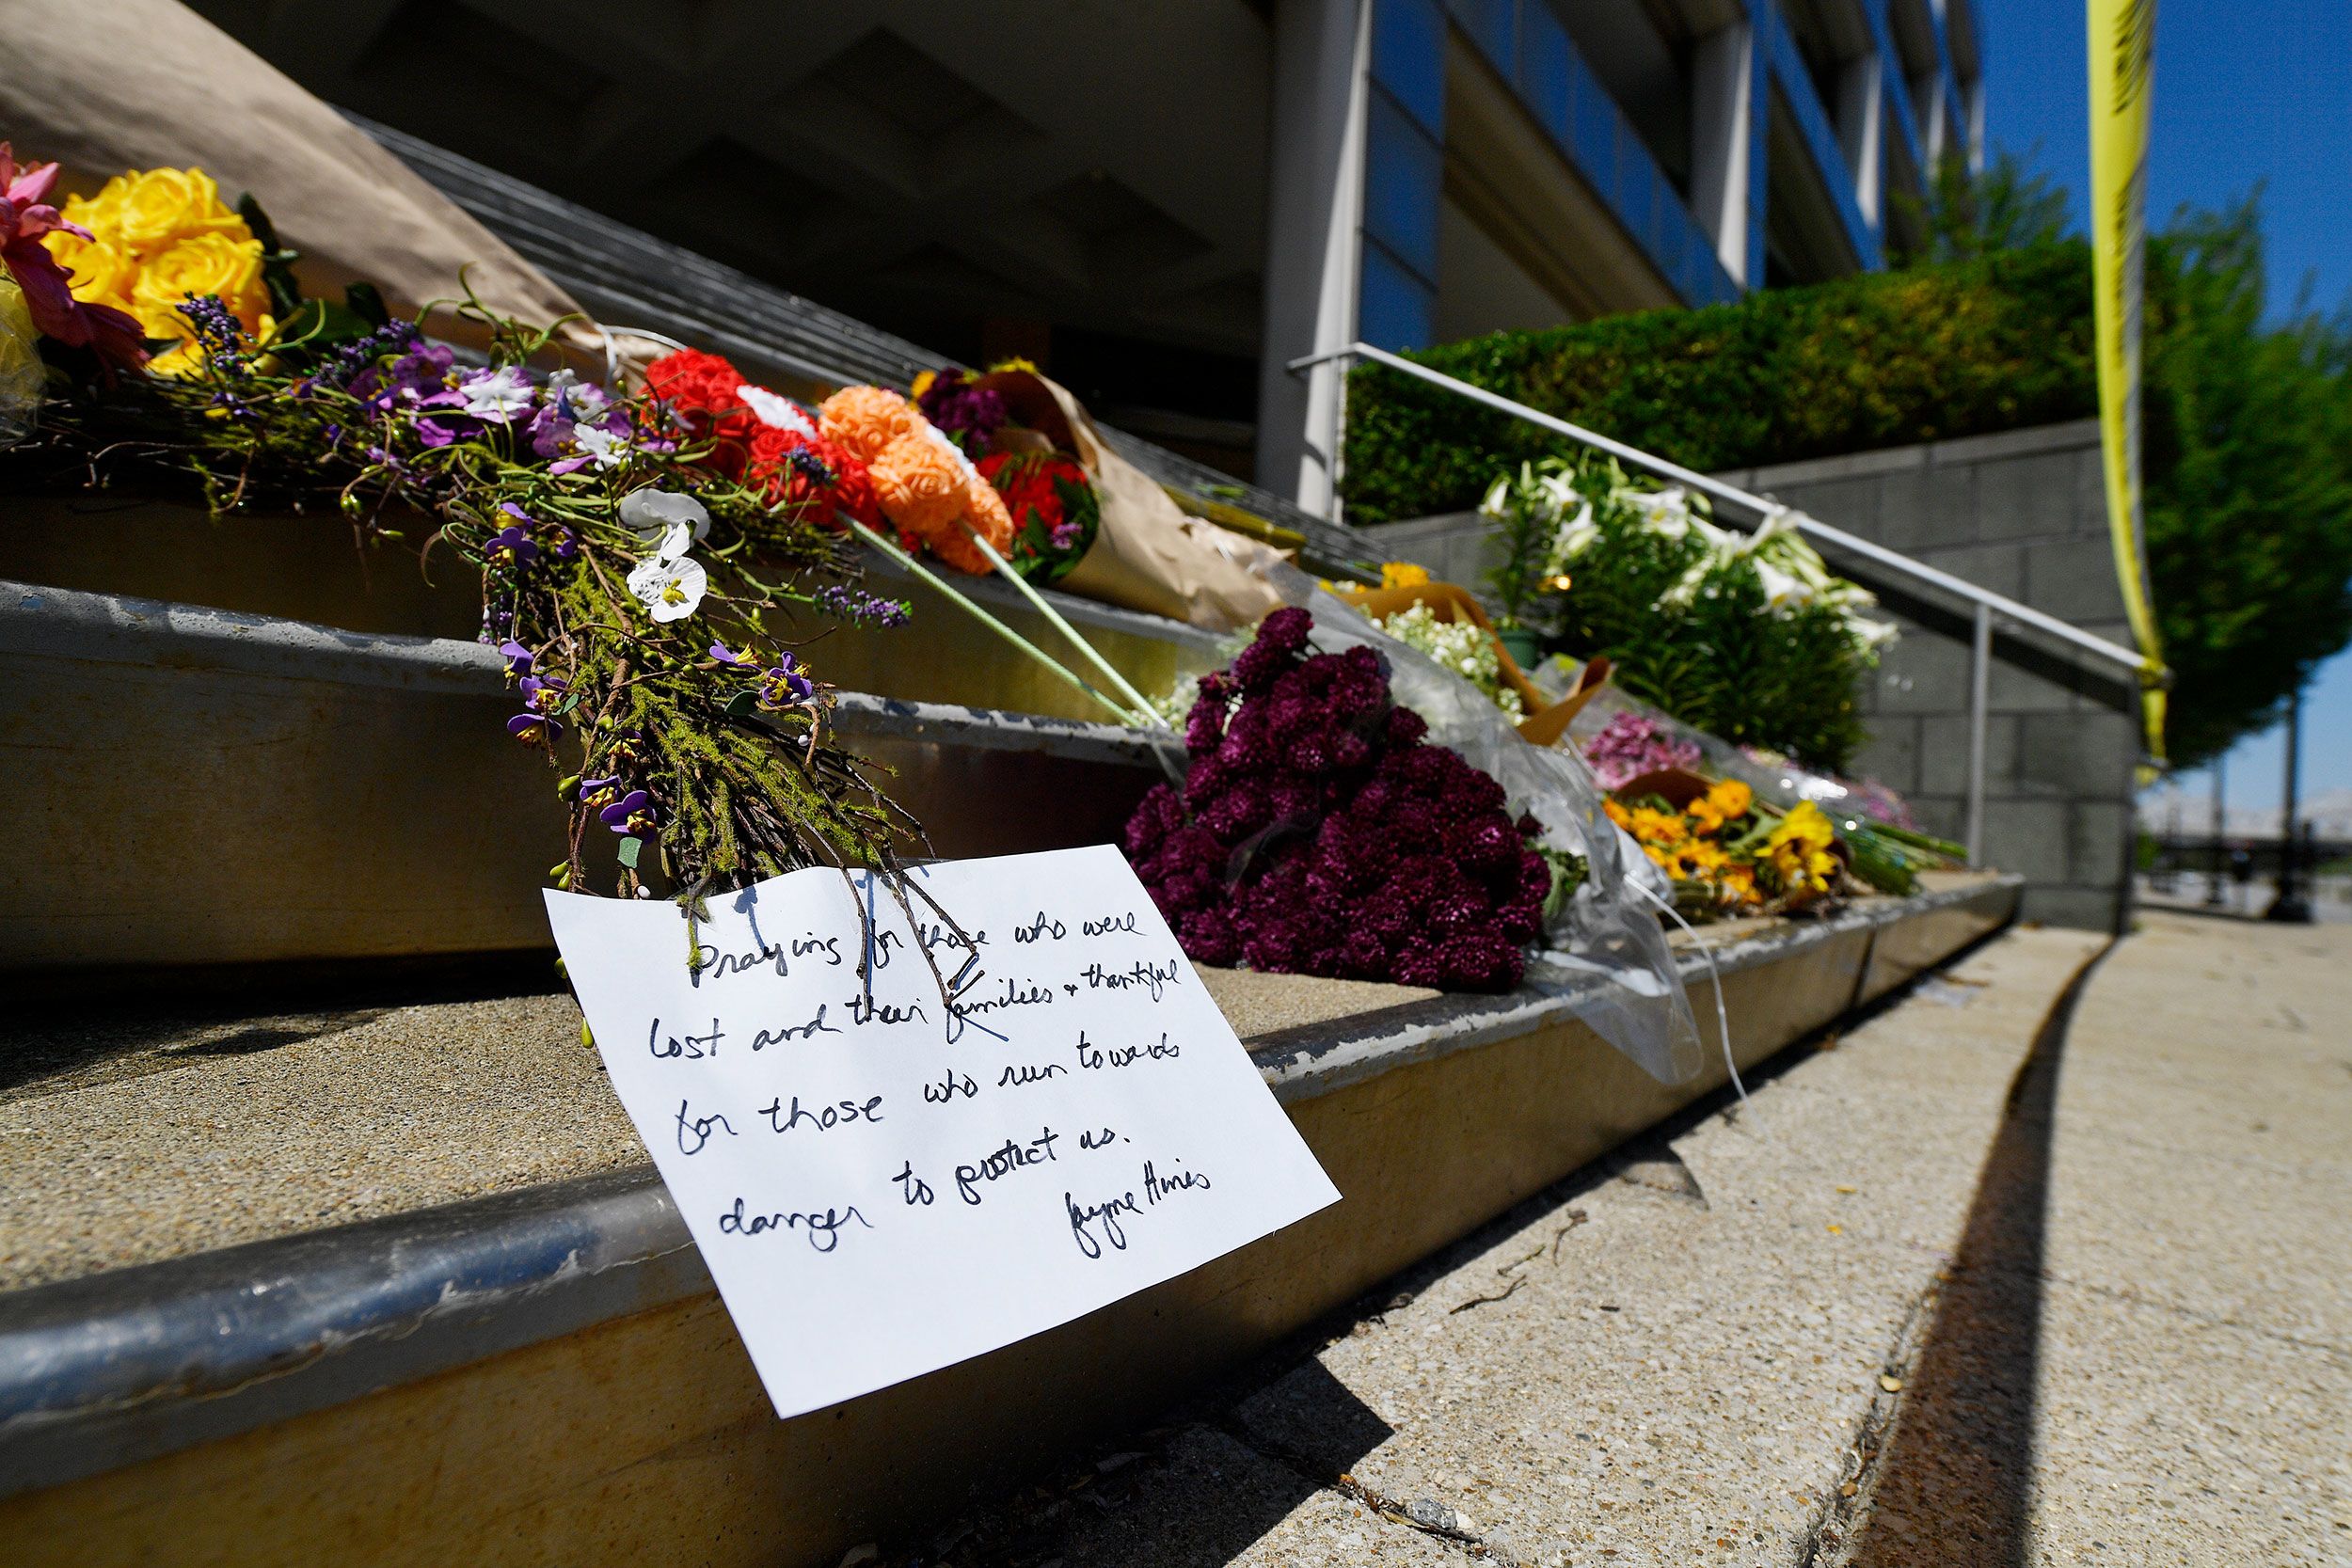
pixel 966 413
pixel 541 693
pixel 216 331
pixel 518 659
pixel 631 817
pixel 732 660
pixel 596 794
pixel 510 546
pixel 861 609
pixel 532 728
pixel 782 686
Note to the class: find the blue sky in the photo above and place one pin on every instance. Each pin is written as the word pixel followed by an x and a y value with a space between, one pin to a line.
pixel 2248 93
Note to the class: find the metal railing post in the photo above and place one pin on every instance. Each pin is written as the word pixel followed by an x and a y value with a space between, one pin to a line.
pixel 1979 697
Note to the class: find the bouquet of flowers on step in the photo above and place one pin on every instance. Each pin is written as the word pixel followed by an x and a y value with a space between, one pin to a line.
pixel 1318 831
pixel 649 558
pixel 1632 744
pixel 1055 511
pixel 1726 856
pixel 1465 647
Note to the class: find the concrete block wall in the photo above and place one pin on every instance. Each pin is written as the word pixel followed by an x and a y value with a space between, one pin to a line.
pixel 2023 513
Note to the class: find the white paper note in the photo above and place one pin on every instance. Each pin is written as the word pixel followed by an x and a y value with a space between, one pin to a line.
pixel 884 1187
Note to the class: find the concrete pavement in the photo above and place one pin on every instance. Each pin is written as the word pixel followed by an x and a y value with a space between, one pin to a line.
pixel 1919 1304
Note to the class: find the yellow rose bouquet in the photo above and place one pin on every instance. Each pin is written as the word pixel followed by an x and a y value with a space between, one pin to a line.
pixel 153 239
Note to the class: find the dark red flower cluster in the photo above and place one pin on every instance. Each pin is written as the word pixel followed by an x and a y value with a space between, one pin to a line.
pixel 1319 832
pixel 791 467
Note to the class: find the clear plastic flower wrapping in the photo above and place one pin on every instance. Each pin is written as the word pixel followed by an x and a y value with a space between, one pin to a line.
pixel 1604 951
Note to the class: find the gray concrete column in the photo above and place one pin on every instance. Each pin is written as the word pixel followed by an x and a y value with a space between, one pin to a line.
pixel 1315 216
pixel 1861 130
pixel 1722 116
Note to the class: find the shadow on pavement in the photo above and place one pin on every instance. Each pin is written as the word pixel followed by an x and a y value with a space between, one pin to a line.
pixel 1954 1482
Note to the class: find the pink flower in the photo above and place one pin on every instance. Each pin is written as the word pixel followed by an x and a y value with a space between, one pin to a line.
pixel 25 216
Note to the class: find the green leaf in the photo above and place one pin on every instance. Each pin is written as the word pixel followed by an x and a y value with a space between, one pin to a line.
pixel 630 849
pixel 366 301
pixel 277 277
pixel 742 703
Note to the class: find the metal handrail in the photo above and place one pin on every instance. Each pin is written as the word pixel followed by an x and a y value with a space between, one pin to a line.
pixel 1766 510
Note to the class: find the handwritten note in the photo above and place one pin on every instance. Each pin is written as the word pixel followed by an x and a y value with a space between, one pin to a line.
pixel 883 1184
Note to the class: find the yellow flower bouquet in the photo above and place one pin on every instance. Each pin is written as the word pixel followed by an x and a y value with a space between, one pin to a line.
pixel 157 238
pixel 1724 853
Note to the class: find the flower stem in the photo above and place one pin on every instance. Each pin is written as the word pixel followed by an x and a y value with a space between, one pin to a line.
pixel 1003 569
pixel 924 575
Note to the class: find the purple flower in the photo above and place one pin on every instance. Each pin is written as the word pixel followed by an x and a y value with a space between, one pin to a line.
pixel 631 817
pixel 420 378
pixel 967 415
pixel 541 694
pixel 596 794
pixel 784 686
pixel 518 659
pixel 861 609
pixel 434 433
pixel 732 660
pixel 532 728
pixel 510 546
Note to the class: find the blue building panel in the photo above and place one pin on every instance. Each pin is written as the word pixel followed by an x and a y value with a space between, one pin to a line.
pixel 1404 172
pixel 1594 124
pixel 1393 307
pixel 1492 27
pixel 1408 58
pixel 1530 50
pixel 1544 73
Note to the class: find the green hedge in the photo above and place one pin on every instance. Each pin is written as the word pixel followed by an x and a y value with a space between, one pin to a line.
pixel 1881 361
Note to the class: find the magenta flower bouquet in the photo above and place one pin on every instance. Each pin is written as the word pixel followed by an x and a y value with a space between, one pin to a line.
pixel 1318 831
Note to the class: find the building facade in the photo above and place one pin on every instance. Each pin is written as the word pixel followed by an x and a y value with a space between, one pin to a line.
pixel 1443 168
pixel 1164 203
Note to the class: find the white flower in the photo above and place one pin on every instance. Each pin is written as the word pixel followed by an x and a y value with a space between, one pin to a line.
pixel 671 587
pixel 1783 591
pixel 575 399
pixel 652 515
pixel 778 413
pixel 1577 536
pixel 1497 501
pixel 1558 491
pixel 1663 512
pixel 608 449
pixel 498 395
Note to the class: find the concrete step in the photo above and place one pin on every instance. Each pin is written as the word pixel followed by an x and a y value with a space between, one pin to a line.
pixel 210 788
pixel 290 1271
pixel 306 568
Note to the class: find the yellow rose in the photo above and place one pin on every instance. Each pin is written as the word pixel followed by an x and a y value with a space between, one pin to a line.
pixel 158 206
pixel 101 274
pixel 101 214
pixel 204 264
